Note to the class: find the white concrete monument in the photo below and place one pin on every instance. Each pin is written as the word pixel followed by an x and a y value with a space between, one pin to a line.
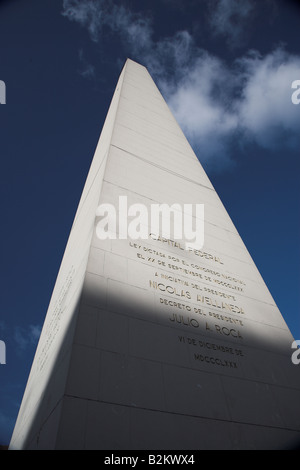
pixel 156 340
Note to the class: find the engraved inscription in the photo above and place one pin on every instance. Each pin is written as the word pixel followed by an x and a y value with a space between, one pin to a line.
pixel 197 295
pixel 53 326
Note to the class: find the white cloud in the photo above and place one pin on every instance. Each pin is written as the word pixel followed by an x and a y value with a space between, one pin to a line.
pixel 219 106
pixel 265 109
pixel 200 106
pixel 250 101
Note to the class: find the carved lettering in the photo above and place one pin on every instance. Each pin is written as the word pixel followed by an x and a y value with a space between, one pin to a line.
pixel 215 361
pixel 187 321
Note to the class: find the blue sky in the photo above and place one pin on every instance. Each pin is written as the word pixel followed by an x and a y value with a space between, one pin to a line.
pixel 225 68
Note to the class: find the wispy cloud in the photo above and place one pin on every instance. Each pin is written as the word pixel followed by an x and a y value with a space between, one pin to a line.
pixel 132 27
pixel 265 109
pixel 26 337
pixel 228 19
pixel 86 70
pixel 88 13
pixel 219 106
pixel 250 101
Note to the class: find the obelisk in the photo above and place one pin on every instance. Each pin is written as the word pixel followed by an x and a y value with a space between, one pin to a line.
pixel 154 343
